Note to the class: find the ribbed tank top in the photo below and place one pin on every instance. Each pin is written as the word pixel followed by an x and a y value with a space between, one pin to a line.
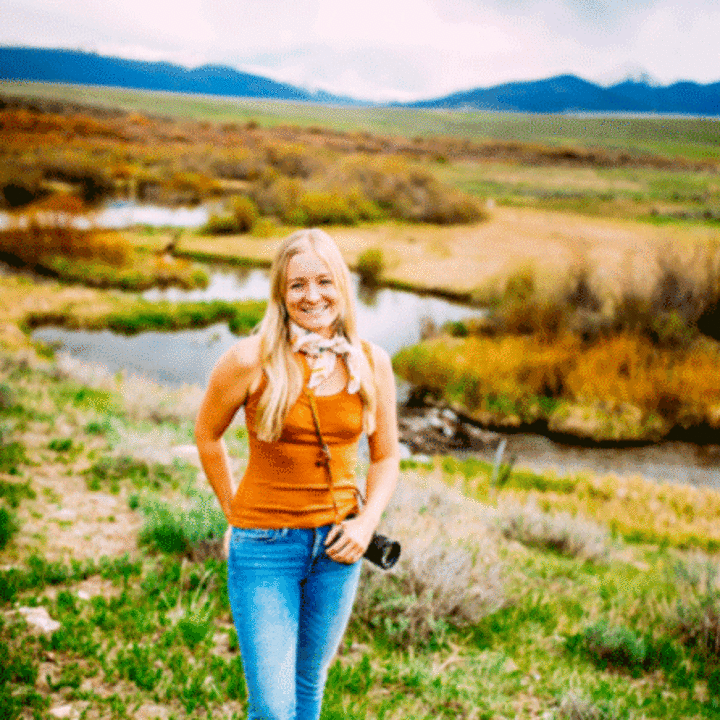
pixel 286 483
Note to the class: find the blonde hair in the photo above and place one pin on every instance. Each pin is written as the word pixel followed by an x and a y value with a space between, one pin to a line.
pixel 282 371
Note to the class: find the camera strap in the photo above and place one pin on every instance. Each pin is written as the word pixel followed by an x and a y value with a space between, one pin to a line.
pixel 325 456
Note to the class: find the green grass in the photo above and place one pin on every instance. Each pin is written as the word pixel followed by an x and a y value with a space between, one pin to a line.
pixel 635 193
pixel 139 276
pixel 142 316
pixel 624 636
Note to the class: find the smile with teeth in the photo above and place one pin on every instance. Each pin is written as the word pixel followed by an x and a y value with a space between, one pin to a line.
pixel 315 311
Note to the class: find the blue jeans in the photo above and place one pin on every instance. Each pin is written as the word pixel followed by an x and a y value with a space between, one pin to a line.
pixel 291 604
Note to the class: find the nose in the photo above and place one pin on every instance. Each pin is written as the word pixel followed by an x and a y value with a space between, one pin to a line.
pixel 313 292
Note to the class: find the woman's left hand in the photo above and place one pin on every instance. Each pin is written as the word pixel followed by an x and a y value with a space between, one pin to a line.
pixel 347 542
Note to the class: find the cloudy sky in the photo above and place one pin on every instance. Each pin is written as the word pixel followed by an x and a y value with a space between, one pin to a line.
pixel 389 49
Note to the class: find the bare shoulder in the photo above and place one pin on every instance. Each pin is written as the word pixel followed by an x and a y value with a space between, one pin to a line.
pixel 245 353
pixel 379 354
pixel 239 362
pixel 380 359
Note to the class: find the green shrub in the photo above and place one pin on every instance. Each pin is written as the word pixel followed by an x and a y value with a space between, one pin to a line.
pixel 109 471
pixel 245 213
pixel 370 266
pixel 13 492
pixel 60 445
pixel 617 646
pixel 265 227
pixel 195 628
pixel 197 531
pixel 325 207
pixel 11 456
pixel 220 225
pixel 8 526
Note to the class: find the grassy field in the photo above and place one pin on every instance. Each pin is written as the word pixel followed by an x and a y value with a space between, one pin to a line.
pixel 516 605
pixel 673 137
pixel 660 170
pixel 533 596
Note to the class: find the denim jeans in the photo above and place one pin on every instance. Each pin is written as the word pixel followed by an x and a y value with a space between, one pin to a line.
pixel 291 604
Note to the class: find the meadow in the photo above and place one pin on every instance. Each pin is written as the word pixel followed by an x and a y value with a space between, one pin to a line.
pixel 537 596
pixel 519 595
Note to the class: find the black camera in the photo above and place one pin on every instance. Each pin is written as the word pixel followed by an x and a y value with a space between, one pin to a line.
pixel 382 551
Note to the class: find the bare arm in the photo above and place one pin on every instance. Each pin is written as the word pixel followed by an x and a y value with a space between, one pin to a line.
pixel 383 470
pixel 230 382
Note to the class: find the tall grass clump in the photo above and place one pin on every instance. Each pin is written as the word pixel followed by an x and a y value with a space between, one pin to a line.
pixel 573 536
pixel 696 613
pixel 441 581
pixel 196 531
pixel 370 266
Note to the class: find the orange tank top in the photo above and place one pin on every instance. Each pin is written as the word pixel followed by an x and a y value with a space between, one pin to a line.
pixel 286 482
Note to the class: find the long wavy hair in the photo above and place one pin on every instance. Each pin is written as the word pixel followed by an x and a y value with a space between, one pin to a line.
pixel 282 371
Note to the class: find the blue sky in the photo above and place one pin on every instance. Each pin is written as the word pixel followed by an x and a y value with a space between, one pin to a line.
pixel 389 49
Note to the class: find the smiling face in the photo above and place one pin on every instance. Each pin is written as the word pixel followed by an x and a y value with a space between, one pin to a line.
pixel 311 295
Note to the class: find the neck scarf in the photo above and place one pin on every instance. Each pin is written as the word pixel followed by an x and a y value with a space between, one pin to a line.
pixel 322 353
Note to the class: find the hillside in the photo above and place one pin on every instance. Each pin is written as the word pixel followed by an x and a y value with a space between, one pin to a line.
pixel 80 68
pixel 567 93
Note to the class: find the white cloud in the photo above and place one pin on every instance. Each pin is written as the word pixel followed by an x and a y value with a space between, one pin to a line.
pixel 388 49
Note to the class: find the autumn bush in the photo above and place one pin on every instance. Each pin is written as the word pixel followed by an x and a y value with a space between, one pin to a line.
pixel 409 191
pixel 54 228
pixel 631 367
pixel 244 212
pixel 335 207
pixel 298 176
pixel 275 194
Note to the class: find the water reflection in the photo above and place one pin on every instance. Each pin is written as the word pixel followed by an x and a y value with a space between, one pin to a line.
pixel 391 318
pixel 121 214
pixel 170 358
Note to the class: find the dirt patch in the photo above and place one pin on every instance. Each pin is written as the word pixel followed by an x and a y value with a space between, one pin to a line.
pixel 67 521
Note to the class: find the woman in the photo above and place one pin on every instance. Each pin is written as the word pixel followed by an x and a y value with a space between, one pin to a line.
pixel 297 528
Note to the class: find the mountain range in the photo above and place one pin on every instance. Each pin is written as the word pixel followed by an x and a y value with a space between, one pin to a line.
pixel 81 68
pixel 567 93
pixel 561 94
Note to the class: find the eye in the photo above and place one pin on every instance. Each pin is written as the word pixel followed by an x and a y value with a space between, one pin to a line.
pixel 326 281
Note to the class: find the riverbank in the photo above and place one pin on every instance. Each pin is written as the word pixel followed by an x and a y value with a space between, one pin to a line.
pixel 28 302
pixel 467 262
pixel 113 599
pixel 617 390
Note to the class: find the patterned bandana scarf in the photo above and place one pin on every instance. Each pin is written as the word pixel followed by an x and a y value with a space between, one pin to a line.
pixel 321 354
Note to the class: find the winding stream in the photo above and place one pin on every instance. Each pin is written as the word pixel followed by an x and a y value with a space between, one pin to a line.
pixel 391 318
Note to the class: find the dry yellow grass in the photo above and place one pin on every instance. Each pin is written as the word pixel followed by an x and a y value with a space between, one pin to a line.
pixel 465 259
pixel 21 296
